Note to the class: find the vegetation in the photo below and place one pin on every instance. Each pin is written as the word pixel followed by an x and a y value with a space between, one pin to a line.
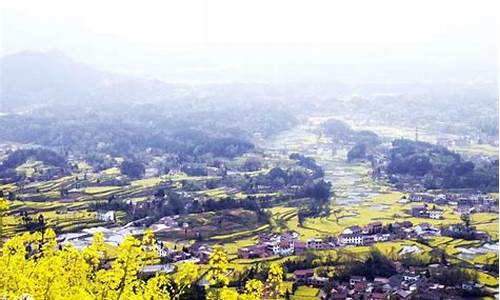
pixel 32 265
pixel 440 167
pixel 341 132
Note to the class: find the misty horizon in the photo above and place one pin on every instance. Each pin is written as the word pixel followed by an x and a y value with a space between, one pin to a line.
pixel 196 43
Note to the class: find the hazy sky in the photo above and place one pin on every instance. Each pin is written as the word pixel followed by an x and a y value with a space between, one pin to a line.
pixel 254 40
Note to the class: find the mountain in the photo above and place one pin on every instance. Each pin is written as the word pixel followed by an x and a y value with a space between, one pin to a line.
pixel 36 79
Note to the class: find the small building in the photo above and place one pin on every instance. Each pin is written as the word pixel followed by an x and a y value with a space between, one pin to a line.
pixel 299 247
pixel 153 269
pixel 273 247
pixel 402 295
pixel 315 244
pixel 426 229
pixel 435 213
pixel 286 247
pixel 106 216
pixel 302 276
pixel 405 224
pixel 374 227
pixel 351 239
pixel 352 230
pixel 169 222
pixel 258 251
pixel 317 281
pixel 355 279
pixel 419 212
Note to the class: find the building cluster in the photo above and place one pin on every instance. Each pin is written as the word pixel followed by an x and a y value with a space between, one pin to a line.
pixel 464 203
pixel 198 253
pixel 407 283
pixel 288 243
pixel 426 212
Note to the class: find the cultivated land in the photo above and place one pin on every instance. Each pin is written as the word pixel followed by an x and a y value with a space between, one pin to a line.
pixel 358 200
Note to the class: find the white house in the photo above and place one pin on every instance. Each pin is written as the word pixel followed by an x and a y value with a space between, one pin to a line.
pixel 108 216
pixel 352 230
pixel 286 248
pixel 314 243
pixel 426 229
pixel 273 246
pixel 435 214
pixel 351 239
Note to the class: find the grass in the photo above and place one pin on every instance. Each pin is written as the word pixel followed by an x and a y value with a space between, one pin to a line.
pixel 111 172
pixel 487 279
pixel 238 234
pixel 147 183
pixel 93 190
pixel 305 293
pixel 476 149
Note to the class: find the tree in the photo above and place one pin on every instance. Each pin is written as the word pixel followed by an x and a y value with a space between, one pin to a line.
pixel 36 267
pixel 4 207
pixel 187 274
pixel 132 169
pixel 32 267
pixel 217 274
pixel 254 289
pixel 466 219
pixel 357 152
pixel 275 281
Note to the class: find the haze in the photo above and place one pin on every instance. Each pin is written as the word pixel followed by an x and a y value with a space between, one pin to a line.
pixel 265 41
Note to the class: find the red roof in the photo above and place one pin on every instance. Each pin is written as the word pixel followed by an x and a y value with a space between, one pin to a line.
pixel 299 244
pixel 304 272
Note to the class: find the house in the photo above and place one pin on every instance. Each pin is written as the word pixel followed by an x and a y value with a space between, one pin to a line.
pixel 163 251
pixel 368 239
pixel 356 239
pixel 301 276
pixel 286 247
pixel 380 296
pixel 154 269
pixel 374 227
pixel 465 209
pixel 180 256
pixel 289 236
pixel 405 224
pixel 352 230
pixel 258 251
pixel 360 287
pixel 214 171
pixel 410 276
pixel 381 281
pixel 106 216
pixel 426 229
pixel 273 247
pixel 419 212
pixel 299 247
pixel 355 279
pixel 169 222
pixel 421 198
pixel 317 281
pixel 201 251
pixel 351 239
pixel 435 213
pixel 316 244
pixel 402 295
pixel 338 294
pixel 382 237
pixel 395 281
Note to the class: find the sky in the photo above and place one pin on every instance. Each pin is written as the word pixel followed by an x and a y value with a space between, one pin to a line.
pixel 202 41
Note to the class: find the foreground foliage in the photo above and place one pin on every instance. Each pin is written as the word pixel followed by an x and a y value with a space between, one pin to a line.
pixel 35 266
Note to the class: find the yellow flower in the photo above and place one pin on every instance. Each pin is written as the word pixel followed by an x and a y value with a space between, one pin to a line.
pixel 275 280
pixel 254 289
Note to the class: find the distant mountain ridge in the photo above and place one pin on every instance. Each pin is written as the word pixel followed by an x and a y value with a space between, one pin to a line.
pixel 33 79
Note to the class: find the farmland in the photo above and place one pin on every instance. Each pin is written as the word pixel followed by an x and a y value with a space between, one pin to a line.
pixel 68 204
